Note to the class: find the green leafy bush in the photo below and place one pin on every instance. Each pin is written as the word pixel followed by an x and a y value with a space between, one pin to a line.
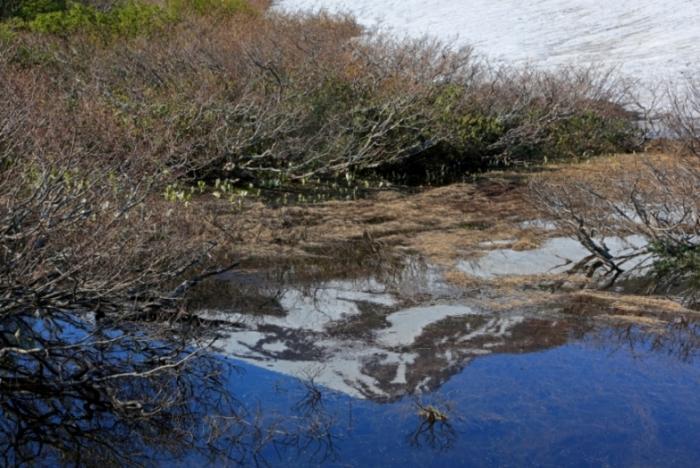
pixel 122 18
pixel 29 9
pixel 588 133
pixel 209 7
pixel 677 263
pixel 129 18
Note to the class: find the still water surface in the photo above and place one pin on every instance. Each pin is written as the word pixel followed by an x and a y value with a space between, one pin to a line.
pixel 590 402
pixel 354 363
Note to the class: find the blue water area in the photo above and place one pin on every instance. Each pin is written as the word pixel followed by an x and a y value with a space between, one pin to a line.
pixel 590 402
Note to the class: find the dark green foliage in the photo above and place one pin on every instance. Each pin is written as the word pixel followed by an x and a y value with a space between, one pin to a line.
pixel 677 264
pixel 29 9
pixel 589 133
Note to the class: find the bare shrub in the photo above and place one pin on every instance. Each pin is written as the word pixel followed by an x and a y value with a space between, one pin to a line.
pixel 96 357
pixel 298 97
pixel 656 198
pixel 684 118
pixel 653 199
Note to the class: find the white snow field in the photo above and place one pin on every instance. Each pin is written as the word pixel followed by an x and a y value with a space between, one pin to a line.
pixel 649 40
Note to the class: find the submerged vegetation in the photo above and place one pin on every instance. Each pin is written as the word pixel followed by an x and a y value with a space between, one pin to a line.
pixel 131 130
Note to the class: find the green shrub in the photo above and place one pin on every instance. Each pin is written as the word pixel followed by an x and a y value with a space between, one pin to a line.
pixel 29 9
pixel 76 17
pixel 209 7
pixel 7 33
pixel 124 18
pixel 128 19
pixel 461 132
pixel 589 133
pixel 677 263
pixel 473 135
pixel 137 18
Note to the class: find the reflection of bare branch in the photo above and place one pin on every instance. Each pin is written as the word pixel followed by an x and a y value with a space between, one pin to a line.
pixel 312 401
pixel 96 358
pixel 679 339
pixel 438 436
pixel 312 432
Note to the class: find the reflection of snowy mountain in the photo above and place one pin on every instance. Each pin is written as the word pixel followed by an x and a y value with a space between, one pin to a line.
pixel 358 340
pixel 647 38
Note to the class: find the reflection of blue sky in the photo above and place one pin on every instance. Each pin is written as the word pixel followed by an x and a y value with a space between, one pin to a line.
pixel 578 404
pixel 597 401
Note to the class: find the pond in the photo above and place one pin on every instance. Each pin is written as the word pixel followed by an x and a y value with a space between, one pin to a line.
pixel 315 363
pixel 359 367
pixel 588 402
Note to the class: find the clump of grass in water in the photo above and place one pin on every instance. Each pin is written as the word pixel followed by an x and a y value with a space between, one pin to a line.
pixel 434 430
pixel 431 414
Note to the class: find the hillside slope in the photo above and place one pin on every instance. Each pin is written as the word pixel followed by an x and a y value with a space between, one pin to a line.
pixel 647 39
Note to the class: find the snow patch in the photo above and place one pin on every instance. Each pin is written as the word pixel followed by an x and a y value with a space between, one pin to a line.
pixel 647 39
pixel 555 256
pixel 407 325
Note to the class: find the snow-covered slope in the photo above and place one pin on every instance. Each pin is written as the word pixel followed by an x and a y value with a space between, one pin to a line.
pixel 647 39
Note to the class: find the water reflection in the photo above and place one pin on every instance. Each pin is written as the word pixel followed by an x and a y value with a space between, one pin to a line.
pixel 365 339
pixel 369 371
pixel 556 255
pixel 436 435
pixel 605 395
pixel 545 378
pixel 435 429
pixel 679 340
pixel 87 395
